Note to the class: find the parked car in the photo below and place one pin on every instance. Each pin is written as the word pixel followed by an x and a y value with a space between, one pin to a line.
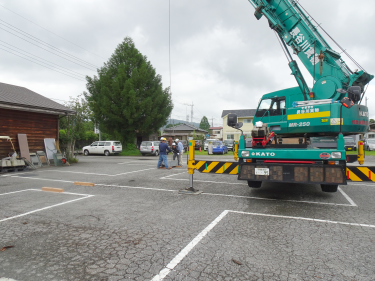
pixel 149 147
pixel 206 143
pixel 370 144
pixel 198 144
pixel 219 147
pixel 103 147
pixel 229 144
pixel 349 143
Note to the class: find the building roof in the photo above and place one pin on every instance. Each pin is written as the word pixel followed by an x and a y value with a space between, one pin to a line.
pixel 20 98
pixel 216 128
pixel 240 112
pixel 184 127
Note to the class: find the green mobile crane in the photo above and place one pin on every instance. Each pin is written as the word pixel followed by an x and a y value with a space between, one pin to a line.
pixel 315 118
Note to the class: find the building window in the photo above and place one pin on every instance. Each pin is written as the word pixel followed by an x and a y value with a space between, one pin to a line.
pixel 217 132
pixel 230 137
pixel 247 120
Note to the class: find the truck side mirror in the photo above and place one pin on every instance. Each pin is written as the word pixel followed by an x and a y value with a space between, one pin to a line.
pixel 238 125
pixel 354 93
pixel 232 120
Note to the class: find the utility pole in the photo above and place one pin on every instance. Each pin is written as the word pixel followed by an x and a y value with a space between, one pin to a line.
pixel 212 121
pixel 192 111
pixel 366 98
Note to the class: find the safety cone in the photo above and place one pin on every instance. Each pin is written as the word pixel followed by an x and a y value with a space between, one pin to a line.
pixel 199 149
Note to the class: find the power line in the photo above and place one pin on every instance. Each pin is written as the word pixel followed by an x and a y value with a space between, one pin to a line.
pixel 49 31
pixel 23 33
pixel 79 75
pixel 42 65
pixel 170 71
pixel 46 49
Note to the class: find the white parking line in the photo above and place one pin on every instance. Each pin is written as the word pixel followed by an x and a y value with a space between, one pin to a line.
pixel 249 197
pixel 283 200
pixel 85 196
pixel 185 251
pixel 163 178
pixel 96 174
pixel 205 193
pixel 347 197
pixel 177 259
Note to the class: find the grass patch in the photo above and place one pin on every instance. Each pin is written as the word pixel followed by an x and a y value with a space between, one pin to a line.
pixel 130 152
pixel 72 160
pixel 367 153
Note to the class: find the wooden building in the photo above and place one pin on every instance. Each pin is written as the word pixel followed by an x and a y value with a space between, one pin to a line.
pixel 23 111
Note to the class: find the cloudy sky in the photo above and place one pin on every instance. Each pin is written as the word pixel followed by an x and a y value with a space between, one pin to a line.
pixel 221 56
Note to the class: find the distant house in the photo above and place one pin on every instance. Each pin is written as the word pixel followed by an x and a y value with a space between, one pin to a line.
pixel 245 116
pixel 183 131
pixel 23 111
pixel 217 132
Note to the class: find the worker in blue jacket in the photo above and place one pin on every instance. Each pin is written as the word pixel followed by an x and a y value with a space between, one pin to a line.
pixel 163 148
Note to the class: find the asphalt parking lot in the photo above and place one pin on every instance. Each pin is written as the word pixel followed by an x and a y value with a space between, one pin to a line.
pixel 134 225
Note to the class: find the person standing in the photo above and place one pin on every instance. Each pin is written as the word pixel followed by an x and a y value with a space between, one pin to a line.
pixel 176 153
pixel 163 147
pixel 181 148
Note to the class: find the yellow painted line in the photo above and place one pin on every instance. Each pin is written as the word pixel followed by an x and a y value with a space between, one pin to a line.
pixel 352 176
pixel 309 115
pixel 366 171
pixel 210 167
pixel 226 166
pixel 199 164
pixel 234 171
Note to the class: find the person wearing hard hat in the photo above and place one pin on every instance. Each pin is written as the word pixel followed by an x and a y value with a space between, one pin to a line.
pixel 181 149
pixel 163 147
pixel 176 153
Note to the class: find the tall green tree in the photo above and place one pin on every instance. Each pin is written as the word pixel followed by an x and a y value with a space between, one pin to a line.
pixel 204 125
pixel 127 96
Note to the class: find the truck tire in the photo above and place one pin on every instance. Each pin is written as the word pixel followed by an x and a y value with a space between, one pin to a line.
pixel 106 153
pixel 254 184
pixel 156 152
pixel 329 187
pixel 86 152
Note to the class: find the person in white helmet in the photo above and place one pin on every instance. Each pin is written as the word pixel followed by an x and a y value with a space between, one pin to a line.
pixel 176 153
pixel 181 148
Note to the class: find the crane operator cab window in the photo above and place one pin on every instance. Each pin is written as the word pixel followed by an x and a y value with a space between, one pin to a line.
pixel 271 107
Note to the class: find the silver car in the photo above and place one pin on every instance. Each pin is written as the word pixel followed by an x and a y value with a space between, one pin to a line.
pixel 149 147
pixel 229 144
pixel 370 144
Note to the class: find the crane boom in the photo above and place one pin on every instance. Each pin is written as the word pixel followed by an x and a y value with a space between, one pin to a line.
pixel 323 63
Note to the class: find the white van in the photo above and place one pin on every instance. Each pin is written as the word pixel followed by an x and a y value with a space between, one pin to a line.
pixel 206 143
pixel 103 147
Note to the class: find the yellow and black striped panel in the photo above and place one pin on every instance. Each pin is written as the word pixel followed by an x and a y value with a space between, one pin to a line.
pixel 358 173
pixel 217 167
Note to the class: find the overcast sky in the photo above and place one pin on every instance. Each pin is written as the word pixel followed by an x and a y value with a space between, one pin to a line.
pixel 221 56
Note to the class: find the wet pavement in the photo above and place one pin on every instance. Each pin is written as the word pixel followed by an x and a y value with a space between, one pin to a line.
pixel 134 225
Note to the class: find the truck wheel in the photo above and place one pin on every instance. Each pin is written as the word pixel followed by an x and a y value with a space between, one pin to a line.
pixel 106 153
pixel 86 152
pixel 329 187
pixel 254 184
